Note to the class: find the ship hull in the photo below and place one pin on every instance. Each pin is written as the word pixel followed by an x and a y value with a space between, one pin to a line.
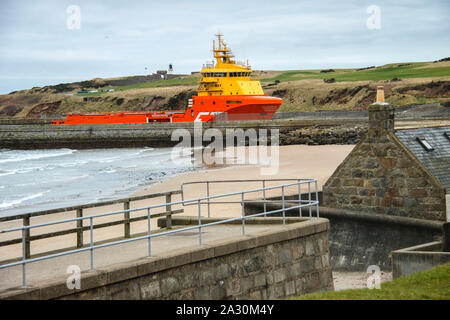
pixel 203 108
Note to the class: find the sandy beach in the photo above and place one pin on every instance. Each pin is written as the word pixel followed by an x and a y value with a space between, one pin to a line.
pixel 296 161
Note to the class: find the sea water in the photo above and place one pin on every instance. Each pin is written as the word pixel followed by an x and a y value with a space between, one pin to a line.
pixel 33 180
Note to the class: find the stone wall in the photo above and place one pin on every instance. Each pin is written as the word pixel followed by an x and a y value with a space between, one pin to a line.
pixel 322 135
pixel 34 136
pixel 285 261
pixel 418 258
pixel 360 239
pixel 380 175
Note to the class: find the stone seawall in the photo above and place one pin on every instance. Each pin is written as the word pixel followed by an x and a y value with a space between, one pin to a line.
pixel 38 136
pixel 360 239
pixel 418 258
pixel 285 261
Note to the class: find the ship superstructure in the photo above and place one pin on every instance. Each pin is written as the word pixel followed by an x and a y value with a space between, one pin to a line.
pixel 226 92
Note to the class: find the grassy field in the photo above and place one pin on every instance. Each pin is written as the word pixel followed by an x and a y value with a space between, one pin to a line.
pixel 190 80
pixel 433 284
pixel 301 90
pixel 386 72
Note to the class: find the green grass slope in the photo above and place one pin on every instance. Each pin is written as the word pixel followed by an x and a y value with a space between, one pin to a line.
pixel 433 284
pixel 386 72
pixel 187 81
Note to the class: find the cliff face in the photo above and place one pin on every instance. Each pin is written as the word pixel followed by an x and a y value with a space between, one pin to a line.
pixel 313 95
pixel 27 104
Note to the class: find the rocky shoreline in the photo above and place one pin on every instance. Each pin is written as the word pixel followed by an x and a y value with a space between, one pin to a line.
pixel 320 135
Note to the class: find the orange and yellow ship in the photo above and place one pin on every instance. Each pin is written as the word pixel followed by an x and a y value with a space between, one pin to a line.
pixel 226 92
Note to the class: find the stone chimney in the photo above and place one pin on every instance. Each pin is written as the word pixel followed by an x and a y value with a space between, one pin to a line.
pixel 380 94
pixel 381 116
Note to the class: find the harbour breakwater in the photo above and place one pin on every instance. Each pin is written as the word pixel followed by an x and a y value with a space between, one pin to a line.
pixel 39 134
pixel 44 135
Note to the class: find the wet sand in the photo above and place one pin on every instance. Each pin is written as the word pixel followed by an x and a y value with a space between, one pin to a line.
pixel 295 161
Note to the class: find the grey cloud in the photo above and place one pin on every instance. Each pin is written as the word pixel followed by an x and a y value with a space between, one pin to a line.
pixel 123 37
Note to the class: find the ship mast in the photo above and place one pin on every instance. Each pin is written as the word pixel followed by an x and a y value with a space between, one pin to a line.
pixel 222 54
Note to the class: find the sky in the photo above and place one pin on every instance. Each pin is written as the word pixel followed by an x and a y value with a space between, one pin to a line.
pixel 47 42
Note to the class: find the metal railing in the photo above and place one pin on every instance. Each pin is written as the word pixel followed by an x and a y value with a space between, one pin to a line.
pixel 149 235
pixel 264 183
pixel 79 211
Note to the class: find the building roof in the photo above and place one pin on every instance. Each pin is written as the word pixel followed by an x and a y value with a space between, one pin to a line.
pixel 437 158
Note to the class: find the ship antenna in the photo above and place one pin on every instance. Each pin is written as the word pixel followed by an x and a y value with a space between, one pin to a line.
pixel 219 36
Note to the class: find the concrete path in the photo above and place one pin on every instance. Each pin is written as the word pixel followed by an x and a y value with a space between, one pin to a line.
pixel 46 269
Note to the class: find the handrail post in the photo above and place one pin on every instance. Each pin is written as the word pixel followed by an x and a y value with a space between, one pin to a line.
pixel 24 275
pixel 149 234
pixel 199 223
pixel 243 214
pixel 299 187
pixel 92 243
pixel 26 243
pixel 264 195
pixel 169 210
pixel 284 211
pixel 126 224
pixel 207 193
pixel 309 199
pixel 317 199
pixel 79 228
